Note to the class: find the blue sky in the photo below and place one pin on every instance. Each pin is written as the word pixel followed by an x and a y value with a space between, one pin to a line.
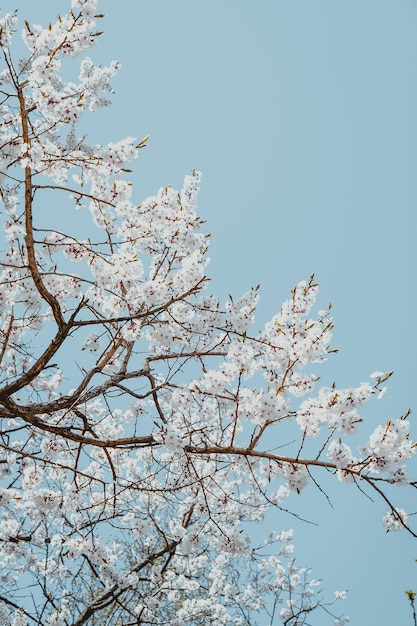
pixel 302 117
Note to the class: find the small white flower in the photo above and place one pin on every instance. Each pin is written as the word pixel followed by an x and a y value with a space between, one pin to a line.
pixel 395 520
pixel 376 374
pixel 382 392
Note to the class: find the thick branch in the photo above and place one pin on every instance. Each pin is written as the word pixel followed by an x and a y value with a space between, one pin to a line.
pixel 67 433
pixel 30 246
pixel 249 452
pixel 42 361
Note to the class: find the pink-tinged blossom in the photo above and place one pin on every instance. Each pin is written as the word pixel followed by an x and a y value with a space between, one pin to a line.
pixel 340 595
pixel 301 384
pixel 297 476
pixel 388 448
pixel 376 374
pixel 395 520
pixel 7 27
pixel 47 500
pixel 240 314
pixel 340 454
pixel 334 407
pixel 382 392
pixel 243 355
pixel 171 438
pixel 33 476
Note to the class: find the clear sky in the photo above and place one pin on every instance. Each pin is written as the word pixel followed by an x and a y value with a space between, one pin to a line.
pixel 301 115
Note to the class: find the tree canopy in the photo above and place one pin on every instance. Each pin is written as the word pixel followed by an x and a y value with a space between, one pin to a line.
pixel 146 427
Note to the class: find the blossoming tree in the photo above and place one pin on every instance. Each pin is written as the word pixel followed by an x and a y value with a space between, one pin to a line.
pixel 143 422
